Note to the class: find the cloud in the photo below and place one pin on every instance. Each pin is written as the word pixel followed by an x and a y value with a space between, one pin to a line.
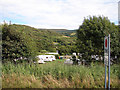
pixel 67 14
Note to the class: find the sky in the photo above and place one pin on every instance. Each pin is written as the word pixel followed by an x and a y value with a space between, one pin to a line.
pixel 56 14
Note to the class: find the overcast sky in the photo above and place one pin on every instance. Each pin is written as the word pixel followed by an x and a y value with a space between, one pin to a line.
pixel 59 14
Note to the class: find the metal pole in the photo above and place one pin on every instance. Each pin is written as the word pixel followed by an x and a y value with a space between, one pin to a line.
pixel 105 64
pixel 109 62
pixel 105 74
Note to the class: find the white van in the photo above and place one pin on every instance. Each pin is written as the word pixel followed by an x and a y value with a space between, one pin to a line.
pixel 52 57
pixel 49 58
pixel 40 59
pixel 46 57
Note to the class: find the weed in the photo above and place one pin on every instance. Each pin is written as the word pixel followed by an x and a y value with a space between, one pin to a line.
pixel 57 75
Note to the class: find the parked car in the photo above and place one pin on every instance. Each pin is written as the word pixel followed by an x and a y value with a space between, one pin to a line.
pixel 68 61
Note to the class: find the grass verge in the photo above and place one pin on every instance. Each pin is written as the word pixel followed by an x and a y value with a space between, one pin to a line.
pixel 57 75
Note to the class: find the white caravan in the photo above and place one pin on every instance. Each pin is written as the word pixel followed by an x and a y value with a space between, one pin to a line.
pixel 49 58
pixel 40 59
pixel 46 57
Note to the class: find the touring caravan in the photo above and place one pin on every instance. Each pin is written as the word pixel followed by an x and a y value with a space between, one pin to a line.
pixel 49 58
pixel 40 59
pixel 46 57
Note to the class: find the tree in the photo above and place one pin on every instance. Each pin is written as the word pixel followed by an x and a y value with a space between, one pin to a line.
pixel 90 36
pixel 118 49
pixel 17 44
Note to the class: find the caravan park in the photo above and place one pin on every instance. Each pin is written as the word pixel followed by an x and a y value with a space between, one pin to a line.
pixel 61 62
pixel 60 44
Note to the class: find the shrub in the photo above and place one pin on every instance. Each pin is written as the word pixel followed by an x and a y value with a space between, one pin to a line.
pixel 16 44
pixel 57 56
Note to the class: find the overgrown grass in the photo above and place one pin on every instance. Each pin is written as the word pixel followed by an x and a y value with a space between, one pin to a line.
pixel 57 75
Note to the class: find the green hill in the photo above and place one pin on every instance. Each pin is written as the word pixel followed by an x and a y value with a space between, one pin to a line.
pixel 56 30
pixel 70 33
pixel 48 39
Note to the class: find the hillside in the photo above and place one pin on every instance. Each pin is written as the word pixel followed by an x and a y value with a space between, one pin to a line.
pixel 47 39
pixel 56 30
pixel 70 33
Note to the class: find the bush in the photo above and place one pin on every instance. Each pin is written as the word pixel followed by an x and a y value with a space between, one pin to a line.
pixel 57 56
pixel 17 44
pixel 90 37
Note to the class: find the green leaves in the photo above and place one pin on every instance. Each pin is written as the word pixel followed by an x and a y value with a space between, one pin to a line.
pixel 91 35
pixel 16 43
pixel 25 41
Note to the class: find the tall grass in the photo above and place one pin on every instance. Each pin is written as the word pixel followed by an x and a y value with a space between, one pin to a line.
pixel 56 74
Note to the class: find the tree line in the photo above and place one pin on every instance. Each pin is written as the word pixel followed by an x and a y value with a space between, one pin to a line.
pixel 27 42
pixel 21 41
pixel 90 37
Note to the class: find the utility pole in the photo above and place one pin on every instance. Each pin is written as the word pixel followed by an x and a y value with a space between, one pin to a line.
pixel 107 59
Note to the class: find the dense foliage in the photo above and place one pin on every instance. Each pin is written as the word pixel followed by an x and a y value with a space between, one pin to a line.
pixel 91 35
pixel 26 42
pixel 70 33
pixel 17 44
pixel 65 41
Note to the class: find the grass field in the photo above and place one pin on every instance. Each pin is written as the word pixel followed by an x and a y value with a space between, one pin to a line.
pixel 57 75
